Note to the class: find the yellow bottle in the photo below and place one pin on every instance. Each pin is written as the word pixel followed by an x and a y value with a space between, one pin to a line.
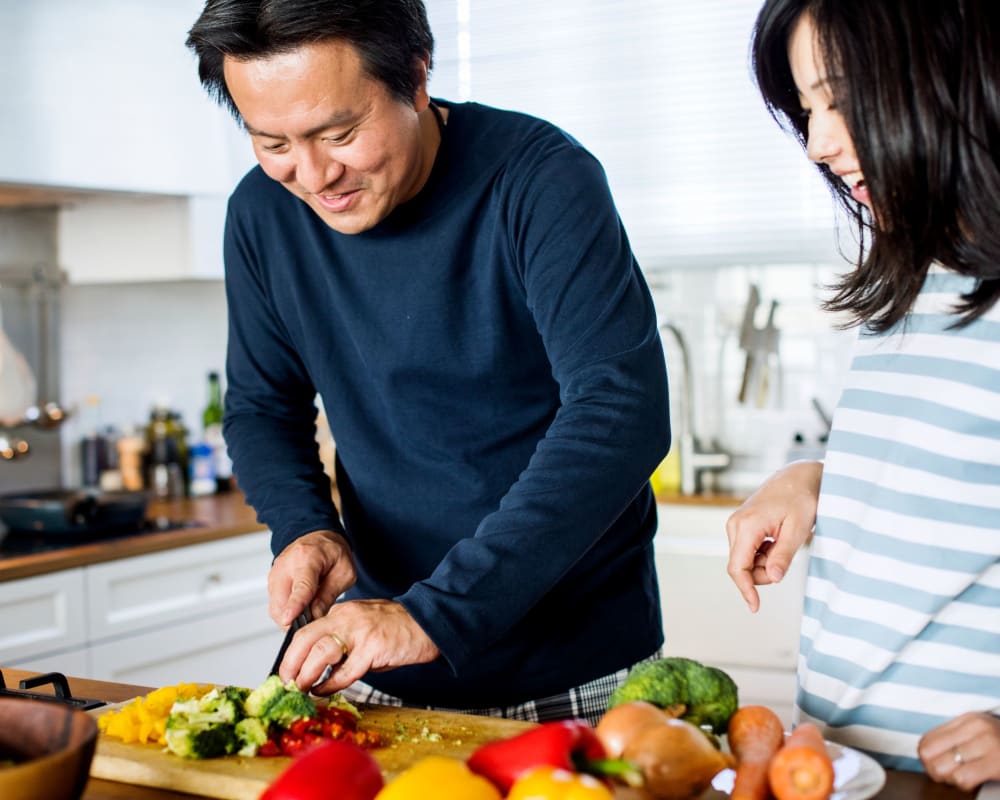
pixel 666 478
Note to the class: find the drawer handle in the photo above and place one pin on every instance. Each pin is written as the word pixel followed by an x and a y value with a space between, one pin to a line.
pixel 213 579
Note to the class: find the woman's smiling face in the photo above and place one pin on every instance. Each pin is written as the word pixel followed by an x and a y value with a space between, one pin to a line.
pixel 829 141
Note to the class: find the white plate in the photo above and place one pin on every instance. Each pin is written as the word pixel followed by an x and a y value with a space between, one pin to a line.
pixel 857 776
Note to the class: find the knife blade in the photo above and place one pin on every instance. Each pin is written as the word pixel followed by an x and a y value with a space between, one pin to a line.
pixel 300 621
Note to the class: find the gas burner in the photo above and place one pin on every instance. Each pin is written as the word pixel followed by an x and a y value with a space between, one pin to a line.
pixel 60 687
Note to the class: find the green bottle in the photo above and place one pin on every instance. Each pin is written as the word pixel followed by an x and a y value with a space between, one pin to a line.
pixel 212 421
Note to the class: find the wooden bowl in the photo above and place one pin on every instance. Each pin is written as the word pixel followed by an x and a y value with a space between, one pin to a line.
pixel 52 746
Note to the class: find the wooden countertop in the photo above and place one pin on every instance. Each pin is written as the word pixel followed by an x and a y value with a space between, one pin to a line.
pixel 221 516
pixel 899 785
pixel 703 499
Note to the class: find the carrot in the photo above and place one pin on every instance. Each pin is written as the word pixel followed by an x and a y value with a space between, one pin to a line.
pixel 802 770
pixel 755 735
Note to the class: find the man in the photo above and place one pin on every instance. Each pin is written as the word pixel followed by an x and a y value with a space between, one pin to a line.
pixel 455 283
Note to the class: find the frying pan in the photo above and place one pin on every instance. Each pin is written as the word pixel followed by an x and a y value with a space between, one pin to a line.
pixel 68 511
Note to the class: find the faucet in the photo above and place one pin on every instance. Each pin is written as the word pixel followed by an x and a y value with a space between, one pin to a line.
pixel 696 458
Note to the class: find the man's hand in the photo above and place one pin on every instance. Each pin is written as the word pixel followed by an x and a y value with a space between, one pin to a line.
pixel 312 572
pixel 354 637
pixel 769 528
pixel 964 752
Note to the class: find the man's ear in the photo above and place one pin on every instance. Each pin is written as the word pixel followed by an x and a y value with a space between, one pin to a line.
pixel 421 74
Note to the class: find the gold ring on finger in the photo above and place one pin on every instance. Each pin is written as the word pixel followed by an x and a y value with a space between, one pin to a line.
pixel 342 643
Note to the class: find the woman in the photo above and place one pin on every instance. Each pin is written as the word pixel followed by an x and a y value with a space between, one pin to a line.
pixel 897 103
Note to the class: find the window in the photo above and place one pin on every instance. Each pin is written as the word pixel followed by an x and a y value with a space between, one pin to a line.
pixel 660 91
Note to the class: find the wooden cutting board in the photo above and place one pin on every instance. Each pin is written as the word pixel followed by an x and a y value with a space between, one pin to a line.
pixel 408 732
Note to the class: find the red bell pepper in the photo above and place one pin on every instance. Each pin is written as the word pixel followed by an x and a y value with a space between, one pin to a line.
pixel 569 744
pixel 336 768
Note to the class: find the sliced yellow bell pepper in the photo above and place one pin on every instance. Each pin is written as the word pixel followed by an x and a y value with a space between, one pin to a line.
pixel 552 783
pixel 439 776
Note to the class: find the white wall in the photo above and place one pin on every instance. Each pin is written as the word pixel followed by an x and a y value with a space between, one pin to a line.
pixel 134 344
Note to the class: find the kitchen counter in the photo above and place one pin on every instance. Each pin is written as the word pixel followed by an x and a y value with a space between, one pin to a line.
pixel 211 518
pixel 701 499
pixel 899 785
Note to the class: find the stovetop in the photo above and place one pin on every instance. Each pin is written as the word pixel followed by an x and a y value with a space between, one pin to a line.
pixel 60 691
pixel 26 543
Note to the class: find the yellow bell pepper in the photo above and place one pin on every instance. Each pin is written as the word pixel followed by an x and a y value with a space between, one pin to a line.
pixel 552 783
pixel 439 776
pixel 145 718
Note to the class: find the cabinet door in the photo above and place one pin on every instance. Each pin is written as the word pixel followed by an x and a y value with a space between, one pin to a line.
pixel 197 582
pixel 41 615
pixel 105 95
pixel 235 647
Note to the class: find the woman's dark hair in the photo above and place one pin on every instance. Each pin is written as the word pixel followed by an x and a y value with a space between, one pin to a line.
pixel 918 83
pixel 388 35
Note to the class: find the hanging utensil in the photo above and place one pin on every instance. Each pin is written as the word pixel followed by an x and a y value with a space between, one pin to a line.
pixel 747 342
pixel 17 382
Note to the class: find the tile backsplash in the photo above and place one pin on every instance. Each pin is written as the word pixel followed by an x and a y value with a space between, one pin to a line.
pixel 707 305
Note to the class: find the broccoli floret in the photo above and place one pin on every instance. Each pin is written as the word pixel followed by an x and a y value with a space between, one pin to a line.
pixel 280 703
pixel 712 698
pixel 215 708
pixel 264 696
pixel 206 741
pixel 708 694
pixel 238 696
pixel 662 683
pixel 290 706
pixel 251 733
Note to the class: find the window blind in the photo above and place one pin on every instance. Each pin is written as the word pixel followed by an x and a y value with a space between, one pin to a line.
pixel 660 92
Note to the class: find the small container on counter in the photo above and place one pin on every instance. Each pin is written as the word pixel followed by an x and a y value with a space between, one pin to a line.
pixel 202 470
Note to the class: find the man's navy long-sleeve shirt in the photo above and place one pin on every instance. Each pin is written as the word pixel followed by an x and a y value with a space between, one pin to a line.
pixel 489 363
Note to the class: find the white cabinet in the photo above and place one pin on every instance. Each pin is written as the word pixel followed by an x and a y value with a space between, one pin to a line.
pixel 41 616
pixel 130 239
pixel 104 95
pixel 705 618
pixel 196 613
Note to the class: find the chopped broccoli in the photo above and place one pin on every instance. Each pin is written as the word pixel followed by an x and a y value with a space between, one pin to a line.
pixel 199 741
pixel 251 733
pixel 280 703
pixel 264 696
pixel 234 719
pixel 339 702
pixel 290 707
pixel 214 708
pixel 238 695
pixel 708 694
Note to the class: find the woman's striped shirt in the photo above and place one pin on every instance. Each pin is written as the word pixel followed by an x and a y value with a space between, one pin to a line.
pixel 901 624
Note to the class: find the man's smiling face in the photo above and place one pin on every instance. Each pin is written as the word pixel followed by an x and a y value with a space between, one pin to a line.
pixel 331 134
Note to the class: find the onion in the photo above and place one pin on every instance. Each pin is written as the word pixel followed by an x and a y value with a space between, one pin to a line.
pixel 621 724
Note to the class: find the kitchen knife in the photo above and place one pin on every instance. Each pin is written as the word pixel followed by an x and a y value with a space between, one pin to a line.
pixel 300 621
pixel 747 342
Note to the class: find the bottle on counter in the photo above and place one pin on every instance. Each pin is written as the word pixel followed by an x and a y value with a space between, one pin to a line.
pixel 131 451
pixel 93 445
pixel 212 422
pixel 167 453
